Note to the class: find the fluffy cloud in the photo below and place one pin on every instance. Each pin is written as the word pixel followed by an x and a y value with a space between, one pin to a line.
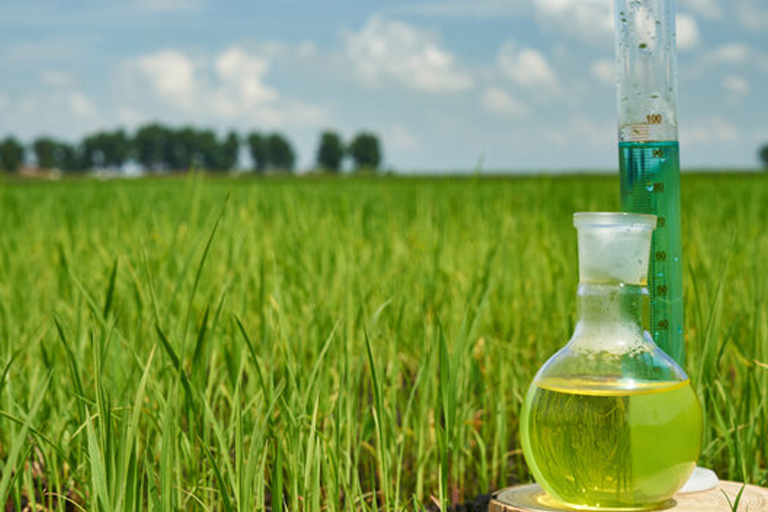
pixel 80 104
pixel 715 129
pixel 241 82
pixel 399 137
pixel 604 70
pixel 499 101
pixel 753 15
pixel 737 87
pixel 469 8
pixel 155 6
pixel 585 130
pixel 736 84
pixel 588 20
pixel 385 50
pixel 171 74
pixel 229 86
pixel 527 68
pixel 731 57
pixel 130 116
pixel 57 111
pixel 732 53
pixel 56 78
pixel 592 21
pixel 709 9
pixel 687 32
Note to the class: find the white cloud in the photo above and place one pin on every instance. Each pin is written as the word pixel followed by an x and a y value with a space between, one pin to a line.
pixel 499 101
pixel 711 130
pixel 3 100
pixel 64 113
pixel 154 6
pixel 130 116
pixel 737 87
pixel 604 70
pixel 527 68
pixel 732 53
pixel 241 82
pixel 580 128
pixel 171 74
pixel 733 57
pixel 307 49
pixel 753 15
pixel 588 20
pixel 80 104
pixel 400 137
pixel 709 9
pixel 587 129
pixel 56 78
pixel 275 50
pixel 592 21
pixel 404 54
pixel 687 32
pixel 736 84
pixel 227 87
pixel 469 8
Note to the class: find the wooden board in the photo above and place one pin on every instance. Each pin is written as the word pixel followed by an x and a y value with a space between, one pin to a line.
pixel 531 498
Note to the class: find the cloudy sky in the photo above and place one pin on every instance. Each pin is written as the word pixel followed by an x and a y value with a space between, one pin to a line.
pixel 447 84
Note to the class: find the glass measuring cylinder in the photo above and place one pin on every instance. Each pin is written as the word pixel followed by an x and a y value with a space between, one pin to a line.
pixel 649 159
pixel 610 421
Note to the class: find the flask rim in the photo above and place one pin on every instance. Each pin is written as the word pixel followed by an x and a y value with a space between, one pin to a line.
pixel 614 219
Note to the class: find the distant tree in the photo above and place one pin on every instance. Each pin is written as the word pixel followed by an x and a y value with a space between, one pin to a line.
pixel 11 155
pixel 153 147
pixel 227 153
pixel 180 152
pixel 106 149
pixel 330 152
pixel 69 158
pixel 365 151
pixel 280 154
pixel 53 154
pixel 206 149
pixel 764 156
pixel 257 147
pixel 162 148
pixel 45 152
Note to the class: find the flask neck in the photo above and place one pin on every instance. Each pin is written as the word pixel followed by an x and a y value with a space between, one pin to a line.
pixel 611 314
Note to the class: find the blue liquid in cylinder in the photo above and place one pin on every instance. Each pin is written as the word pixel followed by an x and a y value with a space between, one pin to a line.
pixel 650 183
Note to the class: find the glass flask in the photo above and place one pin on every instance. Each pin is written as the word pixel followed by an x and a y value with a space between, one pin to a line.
pixel 610 422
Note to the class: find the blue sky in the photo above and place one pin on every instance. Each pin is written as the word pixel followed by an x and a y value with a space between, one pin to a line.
pixel 447 84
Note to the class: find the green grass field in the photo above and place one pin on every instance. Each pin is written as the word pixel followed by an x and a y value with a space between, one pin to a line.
pixel 214 344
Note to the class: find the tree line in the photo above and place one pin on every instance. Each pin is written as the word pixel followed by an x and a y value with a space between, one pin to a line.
pixel 160 148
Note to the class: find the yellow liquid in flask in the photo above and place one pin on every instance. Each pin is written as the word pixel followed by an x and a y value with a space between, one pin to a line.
pixel 592 444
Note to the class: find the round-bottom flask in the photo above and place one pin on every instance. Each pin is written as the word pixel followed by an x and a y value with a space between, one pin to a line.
pixel 611 422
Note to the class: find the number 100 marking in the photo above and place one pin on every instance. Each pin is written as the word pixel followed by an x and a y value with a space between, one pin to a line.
pixel 654 118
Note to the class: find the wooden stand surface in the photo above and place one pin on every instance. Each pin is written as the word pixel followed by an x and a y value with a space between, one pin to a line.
pixel 531 498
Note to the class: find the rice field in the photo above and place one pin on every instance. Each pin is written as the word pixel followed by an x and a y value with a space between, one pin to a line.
pixel 328 344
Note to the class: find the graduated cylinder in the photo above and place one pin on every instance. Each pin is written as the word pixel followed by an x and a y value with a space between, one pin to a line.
pixel 649 158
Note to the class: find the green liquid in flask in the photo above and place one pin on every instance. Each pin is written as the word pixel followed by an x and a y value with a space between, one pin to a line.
pixel 650 183
pixel 593 445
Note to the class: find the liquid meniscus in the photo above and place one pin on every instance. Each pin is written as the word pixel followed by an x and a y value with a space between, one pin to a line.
pixel 592 445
